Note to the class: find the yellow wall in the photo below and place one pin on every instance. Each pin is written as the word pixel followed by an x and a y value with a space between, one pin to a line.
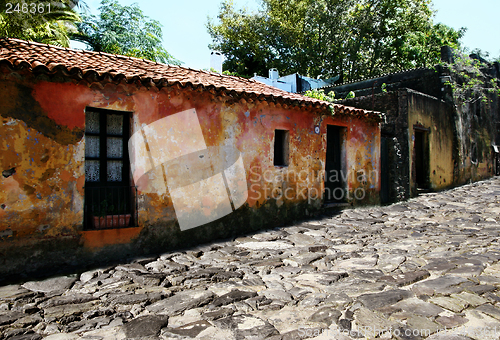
pixel 429 113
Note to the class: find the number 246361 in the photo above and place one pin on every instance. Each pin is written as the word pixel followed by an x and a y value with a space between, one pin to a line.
pixel 26 8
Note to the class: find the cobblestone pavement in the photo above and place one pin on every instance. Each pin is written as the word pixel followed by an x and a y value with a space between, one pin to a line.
pixel 426 268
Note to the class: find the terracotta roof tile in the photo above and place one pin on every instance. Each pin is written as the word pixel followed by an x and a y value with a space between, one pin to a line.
pixel 36 55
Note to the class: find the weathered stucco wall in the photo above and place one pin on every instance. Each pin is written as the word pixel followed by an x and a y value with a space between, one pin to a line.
pixel 437 117
pixel 476 129
pixel 42 138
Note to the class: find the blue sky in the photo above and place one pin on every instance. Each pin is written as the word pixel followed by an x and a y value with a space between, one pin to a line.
pixel 185 35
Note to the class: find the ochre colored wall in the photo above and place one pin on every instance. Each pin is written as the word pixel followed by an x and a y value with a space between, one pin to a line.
pixel 42 137
pixel 430 113
pixel 450 138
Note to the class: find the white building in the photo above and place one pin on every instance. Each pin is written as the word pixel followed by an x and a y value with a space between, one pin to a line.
pixel 295 82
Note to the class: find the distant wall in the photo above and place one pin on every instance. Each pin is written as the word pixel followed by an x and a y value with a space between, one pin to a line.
pixel 459 139
pixel 422 80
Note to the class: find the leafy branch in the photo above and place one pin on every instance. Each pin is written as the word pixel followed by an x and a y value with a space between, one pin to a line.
pixel 469 84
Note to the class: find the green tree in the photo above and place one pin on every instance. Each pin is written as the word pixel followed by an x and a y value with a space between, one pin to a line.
pixel 350 38
pixel 123 30
pixel 44 21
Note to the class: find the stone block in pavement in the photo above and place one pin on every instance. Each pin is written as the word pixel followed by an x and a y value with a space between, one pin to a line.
pixel 371 324
pixel 422 324
pixel 55 284
pixel 467 271
pixel 354 287
pixel 299 239
pixel 472 300
pixel 13 292
pixel 419 307
pixel 490 310
pixel 455 305
pixel 405 279
pixel 57 312
pixel 247 326
pixel 10 316
pixel 320 278
pixel 493 270
pixel 367 274
pixel 356 263
pixel 389 262
pixel 481 289
pixel 144 326
pixel 302 259
pixel 275 294
pixel 235 295
pixel 218 314
pixel 383 299
pixel 439 265
pixel 190 330
pixel 326 315
pixel 441 285
pixel 181 301
pixel 132 299
pixel 290 318
pixel 338 299
pixel 67 299
pixel 451 321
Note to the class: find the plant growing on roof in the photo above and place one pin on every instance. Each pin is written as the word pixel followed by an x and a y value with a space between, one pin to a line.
pixel 321 95
pixel 468 82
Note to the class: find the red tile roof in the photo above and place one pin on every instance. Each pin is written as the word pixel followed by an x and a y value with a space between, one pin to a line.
pixel 41 57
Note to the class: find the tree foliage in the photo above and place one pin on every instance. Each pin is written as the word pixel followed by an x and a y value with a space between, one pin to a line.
pixel 470 78
pixel 124 30
pixel 350 38
pixel 44 21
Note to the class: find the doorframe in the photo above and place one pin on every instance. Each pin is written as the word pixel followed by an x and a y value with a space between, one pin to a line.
pixel 424 133
pixel 337 164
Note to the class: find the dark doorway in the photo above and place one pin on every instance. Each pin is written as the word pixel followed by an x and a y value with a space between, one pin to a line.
pixel 109 195
pixel 335 174
pixel 421 158
pixel 281 138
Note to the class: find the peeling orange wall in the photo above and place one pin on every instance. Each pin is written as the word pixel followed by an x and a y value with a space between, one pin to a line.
pixel 41 136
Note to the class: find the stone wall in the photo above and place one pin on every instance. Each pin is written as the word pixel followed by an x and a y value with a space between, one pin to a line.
pixel 423 80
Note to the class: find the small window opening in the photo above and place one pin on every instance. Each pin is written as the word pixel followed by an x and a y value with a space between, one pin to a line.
pixel 281 147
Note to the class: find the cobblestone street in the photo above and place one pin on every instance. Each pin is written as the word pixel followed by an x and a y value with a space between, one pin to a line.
pixel 426 268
